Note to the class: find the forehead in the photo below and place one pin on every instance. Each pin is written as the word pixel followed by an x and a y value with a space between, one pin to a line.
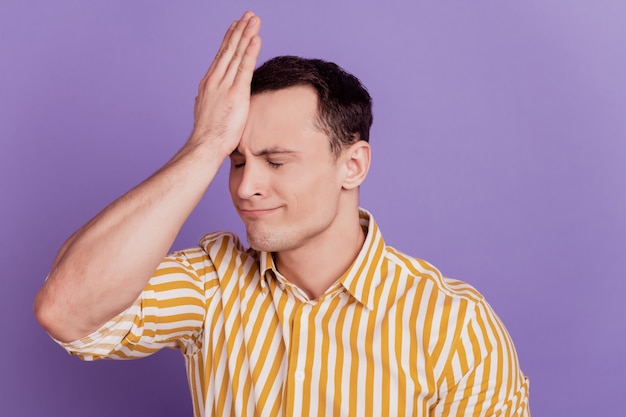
pixel 285 118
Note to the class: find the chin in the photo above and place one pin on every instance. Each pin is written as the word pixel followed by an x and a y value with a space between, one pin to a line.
pixel 269 241
pixel 262 245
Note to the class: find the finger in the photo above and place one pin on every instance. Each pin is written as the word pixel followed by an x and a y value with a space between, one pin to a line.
pixel 248 49
pixel 248 62
pixel 229 46
pixel 225 41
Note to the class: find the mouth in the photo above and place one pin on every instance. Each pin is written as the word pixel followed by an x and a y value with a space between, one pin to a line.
pixel 257 212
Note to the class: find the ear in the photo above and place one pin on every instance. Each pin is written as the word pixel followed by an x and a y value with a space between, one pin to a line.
pixel 356 160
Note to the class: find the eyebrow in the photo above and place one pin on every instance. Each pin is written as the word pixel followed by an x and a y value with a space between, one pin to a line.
pixel 267 151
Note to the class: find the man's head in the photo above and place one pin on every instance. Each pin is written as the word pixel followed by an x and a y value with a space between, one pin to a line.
pixel 344 105
pixel 295 175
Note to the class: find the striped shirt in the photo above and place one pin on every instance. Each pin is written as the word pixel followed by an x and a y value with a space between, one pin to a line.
pixel 391 337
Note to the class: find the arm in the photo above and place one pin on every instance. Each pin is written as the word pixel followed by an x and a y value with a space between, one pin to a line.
pixel 104 266
pixel 482 376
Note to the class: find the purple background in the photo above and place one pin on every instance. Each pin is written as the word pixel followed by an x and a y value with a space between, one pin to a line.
pixel 499 147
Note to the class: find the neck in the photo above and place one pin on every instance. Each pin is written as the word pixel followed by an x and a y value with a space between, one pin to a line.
pixel 317 265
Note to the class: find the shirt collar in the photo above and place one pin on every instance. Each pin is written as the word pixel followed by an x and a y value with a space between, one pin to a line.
pixel 266 264
pixel 362 277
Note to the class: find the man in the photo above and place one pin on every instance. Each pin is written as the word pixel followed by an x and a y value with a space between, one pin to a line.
pixel 318 316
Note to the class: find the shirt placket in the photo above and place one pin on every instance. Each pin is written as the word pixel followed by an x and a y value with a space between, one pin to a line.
pixel 298 373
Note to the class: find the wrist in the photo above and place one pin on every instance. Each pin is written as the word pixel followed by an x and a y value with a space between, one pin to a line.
pixel 209 144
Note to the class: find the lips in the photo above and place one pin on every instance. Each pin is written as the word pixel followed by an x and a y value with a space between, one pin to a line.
pixel 255 211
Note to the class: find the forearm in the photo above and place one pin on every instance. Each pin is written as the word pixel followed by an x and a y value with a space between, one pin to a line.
pixel 105 265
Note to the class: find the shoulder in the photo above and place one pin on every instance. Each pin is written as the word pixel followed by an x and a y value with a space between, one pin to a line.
pixel 447 308
pixel 448 303
pixel 419 270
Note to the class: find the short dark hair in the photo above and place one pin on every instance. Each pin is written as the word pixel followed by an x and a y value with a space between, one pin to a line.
pixel 344 104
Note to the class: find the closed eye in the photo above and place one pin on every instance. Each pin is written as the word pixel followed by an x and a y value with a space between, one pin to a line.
pixel 274 164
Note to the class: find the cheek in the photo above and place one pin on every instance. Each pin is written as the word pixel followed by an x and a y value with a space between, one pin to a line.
pixel 315 190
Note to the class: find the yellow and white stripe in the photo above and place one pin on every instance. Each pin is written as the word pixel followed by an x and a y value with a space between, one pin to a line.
pixel 391 337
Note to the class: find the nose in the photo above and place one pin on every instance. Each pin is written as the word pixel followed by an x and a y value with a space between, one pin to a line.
pixel 248 181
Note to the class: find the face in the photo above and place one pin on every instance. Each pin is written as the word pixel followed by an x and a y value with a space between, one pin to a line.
pixel 284 181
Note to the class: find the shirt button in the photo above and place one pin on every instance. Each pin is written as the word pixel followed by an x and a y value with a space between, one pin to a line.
pixel 299 376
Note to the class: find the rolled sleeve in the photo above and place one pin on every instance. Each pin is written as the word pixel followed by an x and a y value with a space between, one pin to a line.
pixel 169 313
